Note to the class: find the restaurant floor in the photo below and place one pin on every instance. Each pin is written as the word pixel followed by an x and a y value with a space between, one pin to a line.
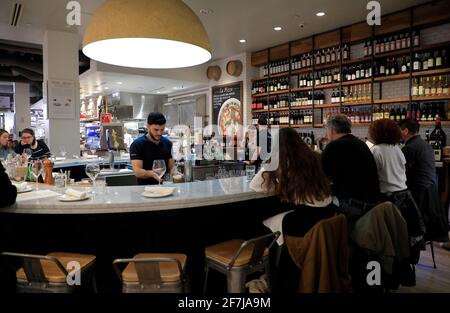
pixel 429 279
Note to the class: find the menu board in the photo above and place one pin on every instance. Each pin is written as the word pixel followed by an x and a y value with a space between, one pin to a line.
pixel 227 109
pixel 61 99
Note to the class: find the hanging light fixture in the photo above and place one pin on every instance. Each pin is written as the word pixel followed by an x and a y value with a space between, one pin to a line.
pixel 146 34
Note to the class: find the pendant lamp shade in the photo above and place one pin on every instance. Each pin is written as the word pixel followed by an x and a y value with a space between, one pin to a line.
pixel 146 34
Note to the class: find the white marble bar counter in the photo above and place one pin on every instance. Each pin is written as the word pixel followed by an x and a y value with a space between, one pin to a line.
pixel 62 163
pixel 128 199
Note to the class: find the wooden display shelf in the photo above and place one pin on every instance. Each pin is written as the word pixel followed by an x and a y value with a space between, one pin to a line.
pixel 443 123
pixel 282 74
pixel 280 92
pixel 431 72
pixel 358 60
pixel 301 89
pixel 430 98
pixel 361 124
pixel 393 100
pixel 260 95
pixel 279 109
pixel 302 125
pixel 302 71
pixel 392 77
pixel 259 111
pixel 319 125
pixel 325 106
pixel 357 82
pixel 260 79
pixel 327 86
pixel 349 104
pixel 301 107
pixel 326 66
pixel 415 49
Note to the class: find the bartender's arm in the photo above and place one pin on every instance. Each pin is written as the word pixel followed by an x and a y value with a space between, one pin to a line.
pixel 140 172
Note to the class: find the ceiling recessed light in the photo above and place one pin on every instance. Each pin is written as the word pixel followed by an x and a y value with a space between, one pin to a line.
pixel 242 41
pixel 158 92
pixel 178 87
pixel 106 88
pixel 277 28
pixel 119 83
pixel 320 13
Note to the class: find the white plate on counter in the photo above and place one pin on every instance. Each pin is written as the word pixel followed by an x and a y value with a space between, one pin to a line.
pixel 28 189
pixel 158 192
pixel 66 198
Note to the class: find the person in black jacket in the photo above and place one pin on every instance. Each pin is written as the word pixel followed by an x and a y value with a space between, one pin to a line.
pixel 28 141
pixel 351 167
pixel 421 179
pixel 8 191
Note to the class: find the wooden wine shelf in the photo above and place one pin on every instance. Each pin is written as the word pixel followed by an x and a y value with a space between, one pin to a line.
pixel 259 111
pixel 326 66
pixel 349 104
pixel 325 106
pixel 357 82
pixel 282 74
pixel 415 49
pixel 279 109
pixel 424 98
pixel 393 100
pixel 392 77
pixel 302 125
pixel 319 125
pixel 301 107
pixel 301 89
pixel 302 71
pixel 260 95
pixel 272 93
pixel 327 86
pixel 443 123
pixel 361 124
pixel 260 79
pixel 359 60
pixel 431 72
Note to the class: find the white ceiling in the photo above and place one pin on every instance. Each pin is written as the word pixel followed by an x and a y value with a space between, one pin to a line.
pixel 230 21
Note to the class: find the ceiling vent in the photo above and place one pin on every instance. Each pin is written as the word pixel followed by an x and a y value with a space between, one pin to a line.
pixel 16 13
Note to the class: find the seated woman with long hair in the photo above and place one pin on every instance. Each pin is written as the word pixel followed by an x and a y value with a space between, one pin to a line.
pixel 303 190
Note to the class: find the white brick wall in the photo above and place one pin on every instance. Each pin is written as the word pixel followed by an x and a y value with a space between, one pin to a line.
pixel 435 34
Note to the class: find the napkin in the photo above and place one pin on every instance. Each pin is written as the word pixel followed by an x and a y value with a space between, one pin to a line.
pixel 275 223
pixel 21 186
pixel 160 190
pixel 75 193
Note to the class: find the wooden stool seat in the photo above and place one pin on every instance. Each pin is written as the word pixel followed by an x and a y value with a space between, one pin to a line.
pixel 169 270
pixel 52 273
pixel 225 251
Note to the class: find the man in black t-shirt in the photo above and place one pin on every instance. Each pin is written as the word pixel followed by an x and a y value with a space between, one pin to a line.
pixel 149 147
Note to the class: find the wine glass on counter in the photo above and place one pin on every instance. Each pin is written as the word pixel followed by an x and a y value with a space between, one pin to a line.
pixel 92 171
pixel 159 167
pixel 37 169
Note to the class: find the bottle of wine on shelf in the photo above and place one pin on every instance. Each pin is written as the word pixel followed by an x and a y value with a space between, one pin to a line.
pixel 438 140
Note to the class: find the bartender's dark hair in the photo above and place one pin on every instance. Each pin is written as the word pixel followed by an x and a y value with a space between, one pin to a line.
pixel 31 132
pixel 411 124
pixel 156 118
pixel 300 177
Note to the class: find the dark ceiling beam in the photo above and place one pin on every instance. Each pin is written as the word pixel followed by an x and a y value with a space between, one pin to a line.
pixel 18 79
pixel 17 71
pixel 17 62
pixel 13 48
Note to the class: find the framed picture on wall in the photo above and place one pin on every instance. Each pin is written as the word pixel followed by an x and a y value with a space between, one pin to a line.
pixel 227 109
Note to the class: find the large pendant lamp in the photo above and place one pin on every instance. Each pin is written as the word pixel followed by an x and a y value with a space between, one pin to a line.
pixel 146 34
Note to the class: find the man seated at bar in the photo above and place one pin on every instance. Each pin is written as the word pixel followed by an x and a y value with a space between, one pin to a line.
pixel 150 147
pixel 350 165
pixel 28 141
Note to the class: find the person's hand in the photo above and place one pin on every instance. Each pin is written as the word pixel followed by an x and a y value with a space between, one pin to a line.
pixel 155 176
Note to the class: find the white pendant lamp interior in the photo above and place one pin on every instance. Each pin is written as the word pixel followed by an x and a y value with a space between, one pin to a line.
pixel 146 34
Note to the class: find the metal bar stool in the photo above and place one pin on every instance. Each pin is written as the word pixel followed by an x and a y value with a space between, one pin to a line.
pixel 153 272
pixel 48 273
pixel 238 258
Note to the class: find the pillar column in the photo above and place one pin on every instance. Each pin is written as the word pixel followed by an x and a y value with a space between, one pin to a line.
pixel 61 64
pixel 22 115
